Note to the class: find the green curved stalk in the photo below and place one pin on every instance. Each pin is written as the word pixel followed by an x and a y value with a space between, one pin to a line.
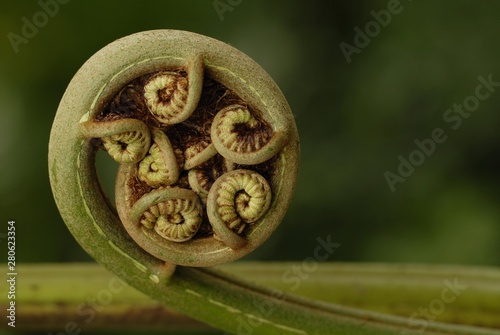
pixel 213 297
pixel 57 292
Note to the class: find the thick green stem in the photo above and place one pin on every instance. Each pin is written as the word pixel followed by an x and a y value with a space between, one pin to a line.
pixel 51 296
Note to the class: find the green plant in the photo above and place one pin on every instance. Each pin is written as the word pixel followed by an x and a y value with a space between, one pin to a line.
pixel 208 154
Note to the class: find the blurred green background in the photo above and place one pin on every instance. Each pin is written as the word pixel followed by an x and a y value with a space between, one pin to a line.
pixel 354 119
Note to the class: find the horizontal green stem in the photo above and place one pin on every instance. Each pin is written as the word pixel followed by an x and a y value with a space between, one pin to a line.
pixel 86 296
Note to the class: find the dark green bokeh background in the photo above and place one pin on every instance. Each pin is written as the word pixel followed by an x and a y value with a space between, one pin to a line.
pixel 354 119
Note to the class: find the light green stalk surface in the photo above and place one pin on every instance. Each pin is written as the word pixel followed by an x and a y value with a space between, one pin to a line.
pixel 86 296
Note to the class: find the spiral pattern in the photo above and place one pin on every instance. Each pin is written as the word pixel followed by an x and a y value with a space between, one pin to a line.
pixel 241 137
pixel 166 96
pixel 175 220
pixel 160 166
pixel 239 131
pixel 127 147
pixel 153 170
pixel 187 153
pixel 244 196
pixel 127 140
pixel 182 121
pixel 237 198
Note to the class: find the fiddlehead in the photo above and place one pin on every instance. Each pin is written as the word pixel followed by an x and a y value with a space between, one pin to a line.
pixel 166 95
pixel 174 214
pixel 171 96
pixel 105 107
pixel 240 137
pixel 195 130
pixel 237 198
pixel 200 142
pixel 156 109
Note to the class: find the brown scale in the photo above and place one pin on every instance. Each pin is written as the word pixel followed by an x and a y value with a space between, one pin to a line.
pixel 196 129
pixel 250 135
pixel 128 103
pixel 209 171
pixel 183 180
pixel 139 188
pixel 265 169
pixel 205 229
